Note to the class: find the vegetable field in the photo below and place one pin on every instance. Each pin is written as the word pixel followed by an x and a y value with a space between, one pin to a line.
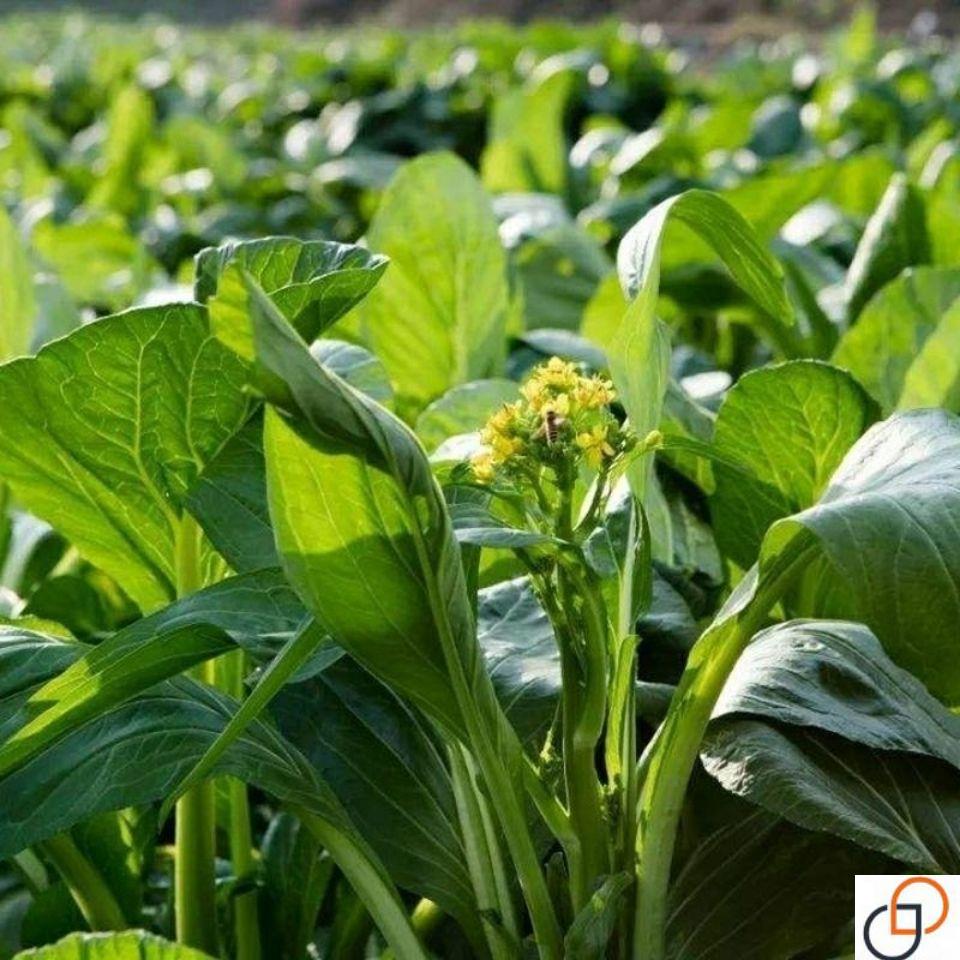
pixel 491 493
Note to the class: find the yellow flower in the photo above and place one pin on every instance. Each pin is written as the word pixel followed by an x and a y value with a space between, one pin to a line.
pixel 560 405
pixel 595 392
pixel 558 373
pixel 483 466
pixel 504 418
pixel 594 446
pixel 504 447
pixel 533 391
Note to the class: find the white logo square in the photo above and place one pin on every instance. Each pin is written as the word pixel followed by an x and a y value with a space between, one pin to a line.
pixel 907 917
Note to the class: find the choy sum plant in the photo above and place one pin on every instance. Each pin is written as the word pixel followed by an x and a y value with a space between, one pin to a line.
pixel 284 683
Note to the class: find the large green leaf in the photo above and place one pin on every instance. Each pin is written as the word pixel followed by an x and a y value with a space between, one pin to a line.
pixel 816 723
pixel 638 351
pixel 135 753
pixel 229 499
pixel 258 612
pixel 103 433
pixel 521 655
pixel 885 526
pixel 760 889
pixel 313 283
pixel 129 945
pixel 787 428
pixel 895 238
pixel 377 564
pixel 527 148
pixel 18 305
pixel 385 766
pixel 438 318
pixel 138 751
pixel 905 344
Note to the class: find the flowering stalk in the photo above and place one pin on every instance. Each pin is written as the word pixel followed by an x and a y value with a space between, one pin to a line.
pixel 545 451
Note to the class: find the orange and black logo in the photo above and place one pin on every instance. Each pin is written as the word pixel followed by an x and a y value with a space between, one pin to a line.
pixel 904 917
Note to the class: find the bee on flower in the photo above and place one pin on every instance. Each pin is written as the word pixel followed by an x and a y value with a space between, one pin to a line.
pixel 562 419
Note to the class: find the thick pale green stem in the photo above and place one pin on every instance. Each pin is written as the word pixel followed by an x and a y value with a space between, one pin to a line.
pixel 246 924
pixel 85 883
pixel 378 895
pixel 672 760
pixel 480 864
pixel 492 761
pixel 194 879
pixel 584 708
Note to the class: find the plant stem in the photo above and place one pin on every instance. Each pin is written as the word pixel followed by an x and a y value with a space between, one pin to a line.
pixel 672 760
pixel 378 894
pixel 584 708
pixel 246 923
pixel 554 815
pixel 85 883
pixel 194 876
pixel 494 746
pixel 480 864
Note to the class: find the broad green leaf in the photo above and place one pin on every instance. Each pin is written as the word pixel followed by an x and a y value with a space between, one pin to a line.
pixel 787 428
pixel 895 238
pixel 521 656
pixel 258 612
pixel 463 409
pixel 386 766
pixel 18 306
pixel 297 875
pixel 293 655
pixel 794 885
pixel 639 349
pixel 103 433
pixel 229 499
pixel 527 148
pixel 378 564
pixel 128 945
pixel 313 283
pixel 135 754
pixel 129 129
pixel 816 722
pixel 904 344
pixel 559 272
pixel 438 316
pixel 885 527
pixel 99 261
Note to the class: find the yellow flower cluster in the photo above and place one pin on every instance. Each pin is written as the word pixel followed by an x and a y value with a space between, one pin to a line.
pixel 557 386
pixel 561 413
pixel 595 446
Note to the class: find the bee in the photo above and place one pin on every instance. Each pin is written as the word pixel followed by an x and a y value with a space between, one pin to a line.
pixel 550 428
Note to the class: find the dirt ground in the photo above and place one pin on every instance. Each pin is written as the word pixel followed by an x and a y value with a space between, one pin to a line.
pixel 761 17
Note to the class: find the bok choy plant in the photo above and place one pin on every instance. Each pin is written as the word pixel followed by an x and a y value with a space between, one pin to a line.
pixel 467 702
